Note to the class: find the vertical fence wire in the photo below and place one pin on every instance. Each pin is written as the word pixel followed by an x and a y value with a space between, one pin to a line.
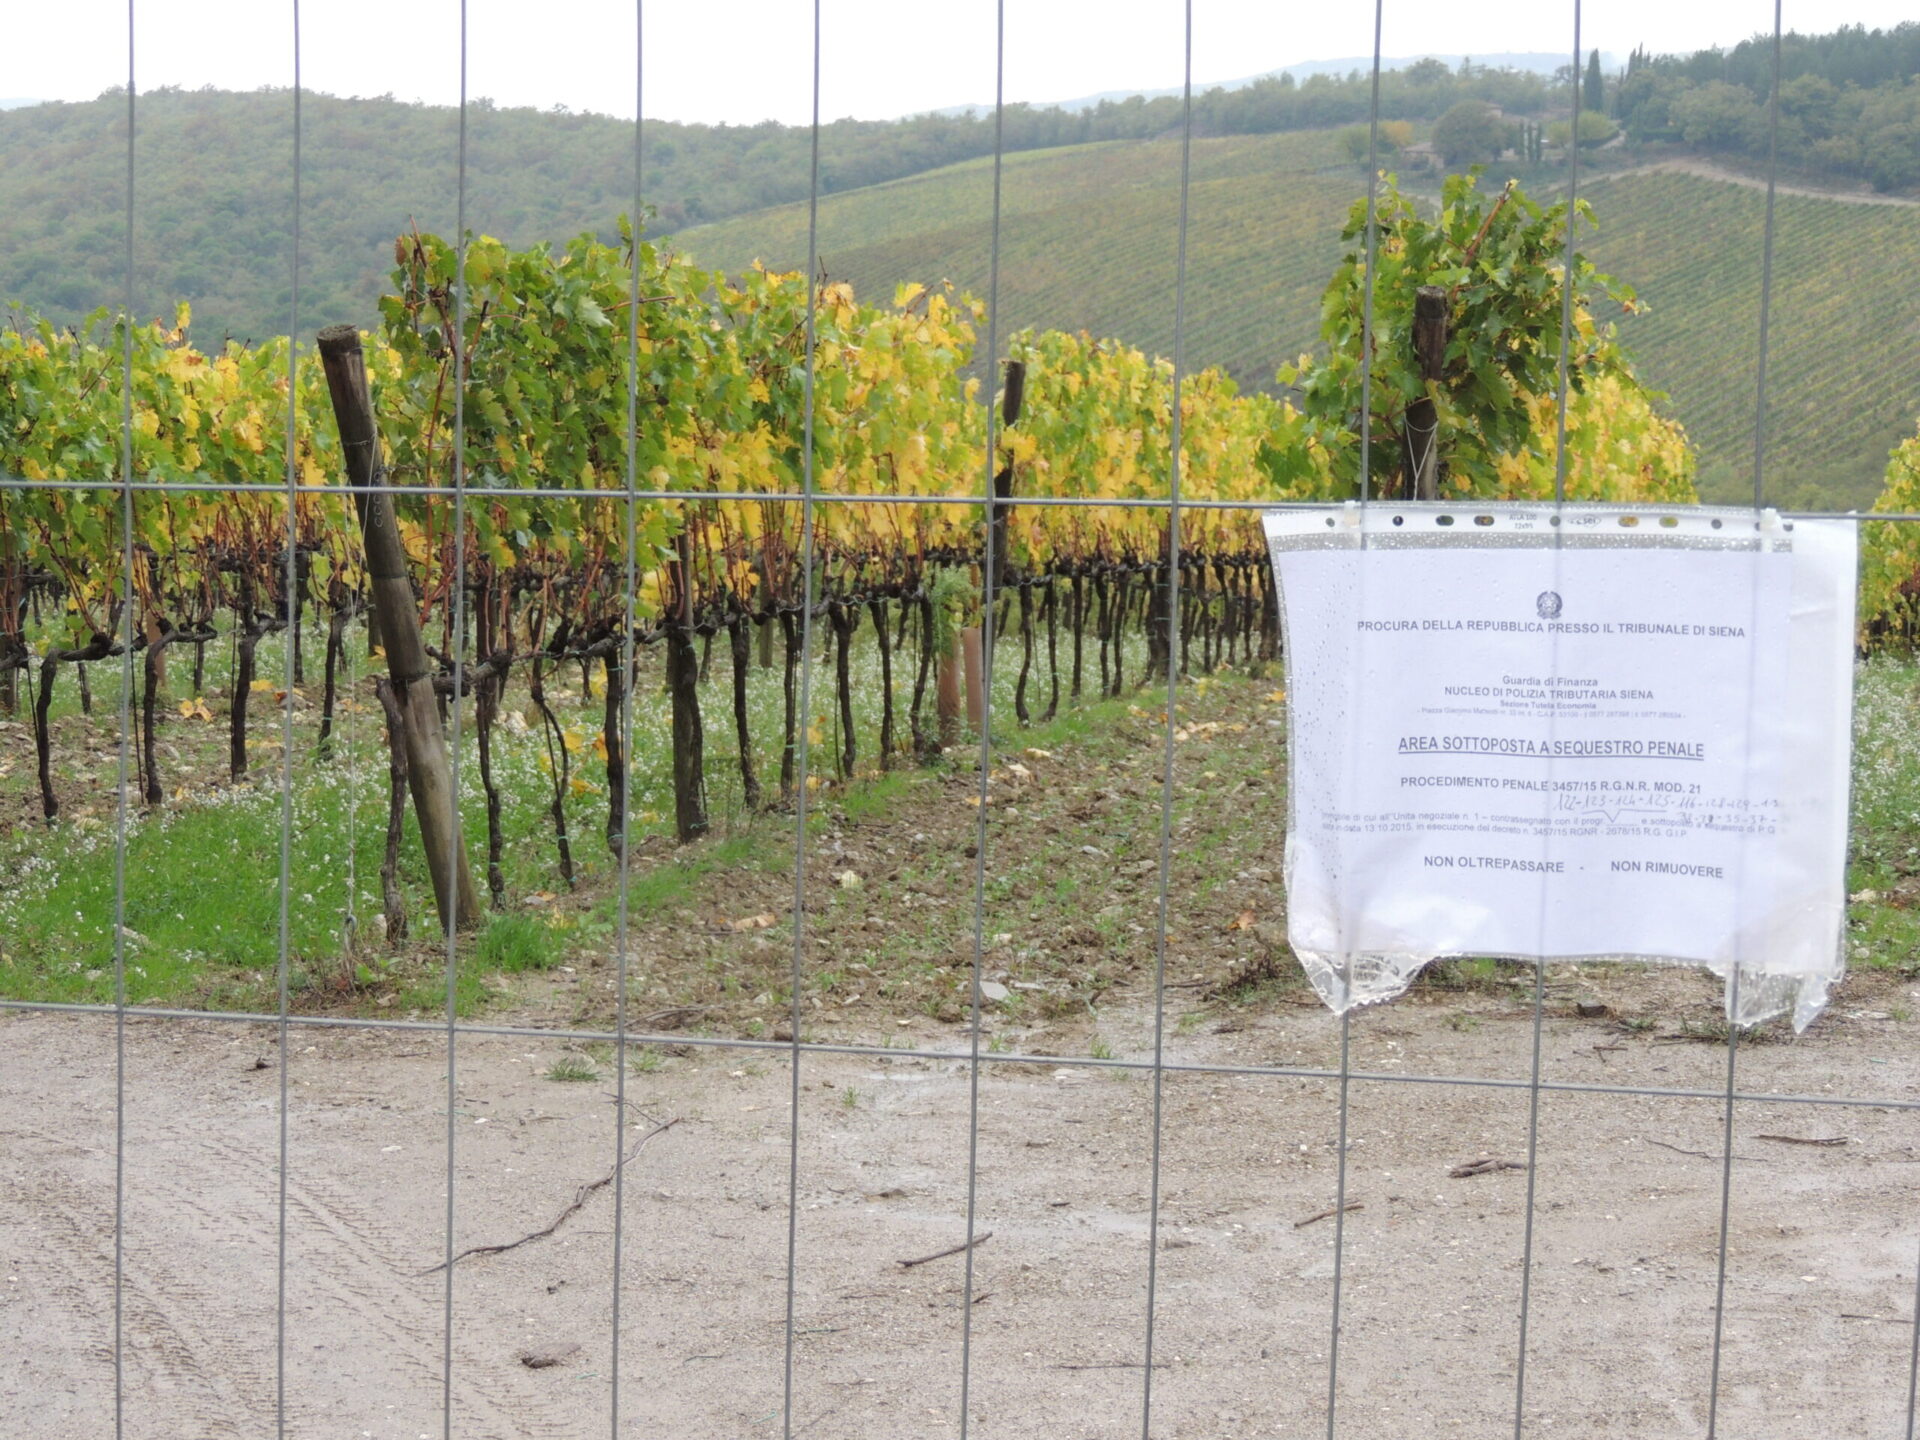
pixel 1913 1354
pixel 1562 397
pixel 1533 1173
pixel 1366 494
pixel 803 743
pixel 1173 633
pixel 1766 275
pixel 1733 984
pixel 1339 1220
pixel 120 790
pixel 623 916
pixel 457 600
pixel 283 962
pixel 1567 276
pixel 1726 1208
pixel 988 561
pixel 1373 249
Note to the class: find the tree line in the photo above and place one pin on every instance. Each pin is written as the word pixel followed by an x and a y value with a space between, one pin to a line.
pixel 1849 102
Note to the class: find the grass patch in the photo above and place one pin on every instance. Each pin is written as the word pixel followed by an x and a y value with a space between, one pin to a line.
pixel 1883 929
pixel 514 943
pixel 1481 975
pixel 429 994
pixel 203 872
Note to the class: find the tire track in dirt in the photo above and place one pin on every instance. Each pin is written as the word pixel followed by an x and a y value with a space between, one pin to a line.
pixel 194 1363
pixel 356 1259
pixel 177 1374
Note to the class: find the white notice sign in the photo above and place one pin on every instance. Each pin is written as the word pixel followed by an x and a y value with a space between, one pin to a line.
pixel 1590 733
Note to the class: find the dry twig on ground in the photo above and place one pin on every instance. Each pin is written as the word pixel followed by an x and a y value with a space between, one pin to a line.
pixel 980 1239
pixel 580 1198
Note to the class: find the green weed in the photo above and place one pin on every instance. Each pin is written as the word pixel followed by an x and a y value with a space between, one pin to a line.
pixel 513 943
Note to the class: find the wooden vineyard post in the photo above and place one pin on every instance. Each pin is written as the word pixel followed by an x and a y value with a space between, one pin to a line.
pixel 13 608
pixel 764 586
pixel 683 674
pixel 429 770
pixel 973 656
pixel 946 694
pixel 1423 421
pixel 1010 401
pixel 976 661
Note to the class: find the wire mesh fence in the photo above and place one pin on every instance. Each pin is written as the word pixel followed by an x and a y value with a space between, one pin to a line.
pixel 1156 1344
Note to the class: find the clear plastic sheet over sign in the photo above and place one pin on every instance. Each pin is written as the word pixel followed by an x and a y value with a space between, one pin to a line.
pixel 1568 733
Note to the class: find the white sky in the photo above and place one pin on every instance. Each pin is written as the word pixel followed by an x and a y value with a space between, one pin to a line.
pixel 746 60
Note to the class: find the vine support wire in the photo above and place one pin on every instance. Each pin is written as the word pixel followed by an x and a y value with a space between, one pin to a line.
pixel 120 788
pixel 804 744
pixel 988 575
pixel 282 961
pixel 623 920
pixel 1174 654
pixel 456 650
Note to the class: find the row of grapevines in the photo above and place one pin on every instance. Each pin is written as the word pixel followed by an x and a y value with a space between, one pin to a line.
pixel 723 406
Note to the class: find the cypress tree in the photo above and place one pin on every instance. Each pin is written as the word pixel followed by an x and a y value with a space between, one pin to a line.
pixel 1593 88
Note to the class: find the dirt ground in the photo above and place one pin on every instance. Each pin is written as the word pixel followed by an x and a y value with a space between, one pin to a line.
pixel 1820 1287
pixel 1823 1245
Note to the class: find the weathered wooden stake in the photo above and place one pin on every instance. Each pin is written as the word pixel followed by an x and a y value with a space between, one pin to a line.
pixel 683 675
pixel 429 770
pixel 1423 421
pixel 974 662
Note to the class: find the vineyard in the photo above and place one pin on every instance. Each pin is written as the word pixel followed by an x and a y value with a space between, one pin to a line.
pixel 1847 403
pixel 587 629
pixel 695 821
pixel 1087 239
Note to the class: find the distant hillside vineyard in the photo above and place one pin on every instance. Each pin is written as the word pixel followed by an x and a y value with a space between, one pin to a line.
pixel 1088 242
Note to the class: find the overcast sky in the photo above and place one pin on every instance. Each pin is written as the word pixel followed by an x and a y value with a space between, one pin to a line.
pixel 742 61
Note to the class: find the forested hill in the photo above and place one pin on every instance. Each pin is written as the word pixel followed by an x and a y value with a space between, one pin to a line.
pixel 213 217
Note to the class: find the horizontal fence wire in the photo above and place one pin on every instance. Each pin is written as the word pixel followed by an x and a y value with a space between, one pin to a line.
pixel 826 497
pixel 638 1037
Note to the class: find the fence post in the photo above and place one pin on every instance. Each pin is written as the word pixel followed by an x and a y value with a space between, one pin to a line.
pixel 429 770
